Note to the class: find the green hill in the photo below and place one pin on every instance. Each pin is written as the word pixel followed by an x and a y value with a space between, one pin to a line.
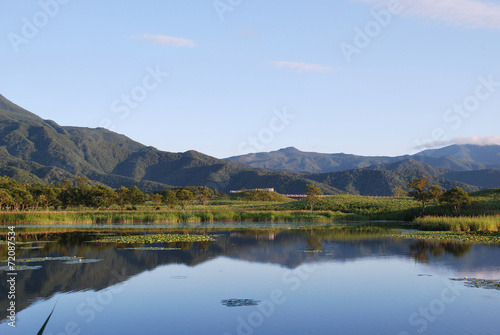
pixel 455 157
pixel 37 150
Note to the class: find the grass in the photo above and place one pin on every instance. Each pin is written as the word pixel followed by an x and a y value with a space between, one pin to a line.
pixel 483 212
pixel 371 208
pixel 463 223
pixel 173 217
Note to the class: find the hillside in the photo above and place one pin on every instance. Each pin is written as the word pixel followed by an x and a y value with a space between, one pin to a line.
pixel 455 157
pixel 292 159
pixel 380 180
pixel 479 178
pixel 37 150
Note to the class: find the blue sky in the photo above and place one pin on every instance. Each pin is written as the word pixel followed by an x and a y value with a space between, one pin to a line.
pixel 229 77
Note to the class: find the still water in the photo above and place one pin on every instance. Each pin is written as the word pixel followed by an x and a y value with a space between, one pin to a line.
pixel 253 281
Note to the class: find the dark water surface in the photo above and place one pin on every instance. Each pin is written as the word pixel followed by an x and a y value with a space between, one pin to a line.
pixel 254 281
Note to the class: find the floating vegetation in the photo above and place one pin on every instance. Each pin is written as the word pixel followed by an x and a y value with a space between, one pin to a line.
pixel 313 251
pixel 83 261
pixel 480 283
pixel 460 236
pixel 31 248
pixel 19 268
pixel 17 242
pixel 150 248
pixel 157 238
pixel 240 302
pixel 43 259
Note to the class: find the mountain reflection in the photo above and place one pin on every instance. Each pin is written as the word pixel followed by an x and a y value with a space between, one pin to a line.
pixel 284 247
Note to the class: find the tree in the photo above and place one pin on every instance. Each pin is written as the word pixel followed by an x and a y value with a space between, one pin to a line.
pixel 456 197
pixel 313 192
pixel 156 198
pixel 435 193
pixel 398 191
pixel 101 196
pixel 44 195
pixel 121 194
pixel 20 197
pixel 419 192
pixel 135 196
pixel 204 194
pixel 81 181
pixel 170 199
pixel 5 198
pixel 185 196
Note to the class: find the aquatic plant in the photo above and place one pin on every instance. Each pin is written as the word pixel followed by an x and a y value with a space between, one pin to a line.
pixel 157 238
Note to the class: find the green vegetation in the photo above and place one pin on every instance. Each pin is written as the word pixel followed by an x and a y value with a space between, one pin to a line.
pixel 478 223
pixel 255 195
pixel 156 238
pixel 370 208
pixel 80 203
pixel 460 236
pixel 313 192
pixel 456 197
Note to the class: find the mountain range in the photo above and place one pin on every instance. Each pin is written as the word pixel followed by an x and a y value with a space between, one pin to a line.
pixel 454 157
pixel 36 150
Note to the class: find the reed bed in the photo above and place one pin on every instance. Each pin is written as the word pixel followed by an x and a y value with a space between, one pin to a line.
pixel 463 223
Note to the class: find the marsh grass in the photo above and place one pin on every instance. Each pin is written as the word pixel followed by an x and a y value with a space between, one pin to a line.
pixel 464 223
pixel 327 210
pixel 173 217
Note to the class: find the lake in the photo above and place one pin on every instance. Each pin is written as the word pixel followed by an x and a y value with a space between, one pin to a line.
pixel 248 280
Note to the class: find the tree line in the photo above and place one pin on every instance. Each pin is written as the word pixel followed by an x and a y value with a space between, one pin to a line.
pixel 17 196
pixel 424 193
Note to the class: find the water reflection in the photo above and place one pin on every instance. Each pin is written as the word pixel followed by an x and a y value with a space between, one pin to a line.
pixel 423 250
pixel 286 248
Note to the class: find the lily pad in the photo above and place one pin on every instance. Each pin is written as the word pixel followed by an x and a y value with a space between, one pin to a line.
pixel 43 259
pixel 480 283
pixel 151 248
pixel 19 268
pixel 157 238
pixel 460 236
pixel 83 261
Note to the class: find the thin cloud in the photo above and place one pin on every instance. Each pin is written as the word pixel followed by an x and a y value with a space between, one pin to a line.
pixel 166 40
pixel 476 140
pixel 301 66
pixel 464 13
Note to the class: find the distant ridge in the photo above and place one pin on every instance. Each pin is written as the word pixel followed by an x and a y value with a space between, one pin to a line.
pixel 454 157
pixel 37 150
